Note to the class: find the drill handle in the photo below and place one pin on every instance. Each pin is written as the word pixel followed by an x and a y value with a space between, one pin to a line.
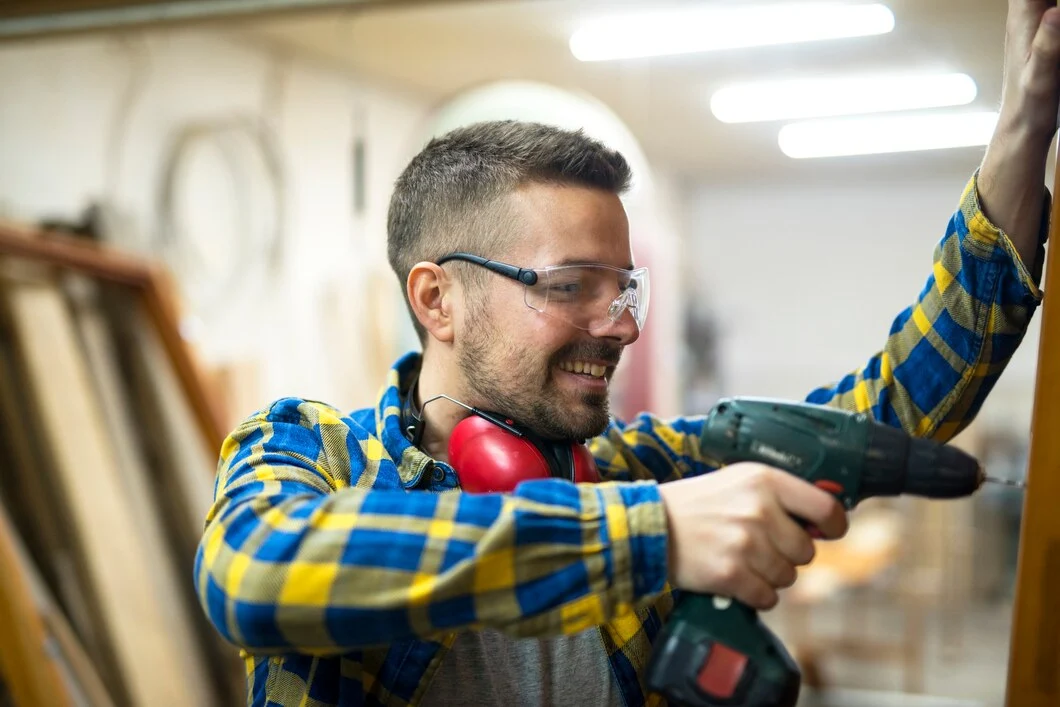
pixel 716 652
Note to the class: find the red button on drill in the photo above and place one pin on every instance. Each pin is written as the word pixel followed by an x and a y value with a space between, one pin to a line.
pixel 829 486
pixel 721 672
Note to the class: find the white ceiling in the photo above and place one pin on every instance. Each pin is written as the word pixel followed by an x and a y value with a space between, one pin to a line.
pixel 439 49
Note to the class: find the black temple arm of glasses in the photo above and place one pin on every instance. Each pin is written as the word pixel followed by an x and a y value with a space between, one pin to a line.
pixel 523 275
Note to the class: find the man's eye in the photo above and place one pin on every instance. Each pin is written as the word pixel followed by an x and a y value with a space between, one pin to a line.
pixel 569 288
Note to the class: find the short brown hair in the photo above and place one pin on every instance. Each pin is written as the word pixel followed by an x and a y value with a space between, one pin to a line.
pixel 447 198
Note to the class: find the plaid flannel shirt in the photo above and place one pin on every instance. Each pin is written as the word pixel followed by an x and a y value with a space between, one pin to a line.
pixel 330 557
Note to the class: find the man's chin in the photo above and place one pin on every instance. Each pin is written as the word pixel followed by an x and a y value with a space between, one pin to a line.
pixel 571 423
pixel 593 421
pixel 595 404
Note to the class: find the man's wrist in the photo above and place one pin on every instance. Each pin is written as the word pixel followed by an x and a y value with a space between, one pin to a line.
pixel 1022 131
pixel 1011 182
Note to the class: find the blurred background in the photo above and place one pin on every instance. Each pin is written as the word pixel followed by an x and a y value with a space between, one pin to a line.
pixel 235 160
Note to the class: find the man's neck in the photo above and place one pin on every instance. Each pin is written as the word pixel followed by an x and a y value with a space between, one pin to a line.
pixel 441 416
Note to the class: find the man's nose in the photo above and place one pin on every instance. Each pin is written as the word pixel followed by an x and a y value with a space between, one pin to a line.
pixel 624 330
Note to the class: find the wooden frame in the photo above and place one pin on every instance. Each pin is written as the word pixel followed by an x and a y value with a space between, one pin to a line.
pixel 156 291
pixel 137 297
pixel 75 340
pixel 1034 657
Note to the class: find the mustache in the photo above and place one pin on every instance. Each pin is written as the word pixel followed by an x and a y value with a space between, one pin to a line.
pixel 595 351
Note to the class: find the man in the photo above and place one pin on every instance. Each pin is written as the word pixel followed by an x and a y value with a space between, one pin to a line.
pixel 330 555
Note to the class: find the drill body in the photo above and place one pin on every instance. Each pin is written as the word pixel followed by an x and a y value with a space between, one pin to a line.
pixel 716 652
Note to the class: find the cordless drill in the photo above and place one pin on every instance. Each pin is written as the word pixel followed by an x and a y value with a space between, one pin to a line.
pixel 715 652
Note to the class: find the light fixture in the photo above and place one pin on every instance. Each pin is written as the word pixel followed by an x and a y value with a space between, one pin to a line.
pixel 811 98
pixel 700 30
pixel 879 134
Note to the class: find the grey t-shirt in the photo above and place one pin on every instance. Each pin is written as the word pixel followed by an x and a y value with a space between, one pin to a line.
pixel 487 668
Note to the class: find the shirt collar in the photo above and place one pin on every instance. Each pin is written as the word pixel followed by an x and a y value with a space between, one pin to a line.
pixel 411 462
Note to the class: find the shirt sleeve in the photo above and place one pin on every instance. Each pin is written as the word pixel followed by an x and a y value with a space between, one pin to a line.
pixel 945 352
pixel 294 558
pixel 651 448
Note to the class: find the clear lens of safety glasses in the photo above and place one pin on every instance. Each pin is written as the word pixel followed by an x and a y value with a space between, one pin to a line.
pixel 590 296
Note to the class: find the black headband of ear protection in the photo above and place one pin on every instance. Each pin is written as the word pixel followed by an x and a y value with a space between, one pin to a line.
pixel 411 418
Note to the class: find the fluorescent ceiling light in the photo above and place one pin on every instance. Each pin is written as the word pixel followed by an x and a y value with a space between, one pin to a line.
pixel 701 30
pixel 811 98
pixel 896 133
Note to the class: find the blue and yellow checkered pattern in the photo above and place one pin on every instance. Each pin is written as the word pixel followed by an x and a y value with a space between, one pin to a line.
pixel 338 558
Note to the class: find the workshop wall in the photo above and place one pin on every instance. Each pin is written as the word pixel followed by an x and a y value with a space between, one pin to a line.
pixel 96 120
pixel 804 277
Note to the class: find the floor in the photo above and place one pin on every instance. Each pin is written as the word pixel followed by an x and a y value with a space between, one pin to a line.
pixel 874 698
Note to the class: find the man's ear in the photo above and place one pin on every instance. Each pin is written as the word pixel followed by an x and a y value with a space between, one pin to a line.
pixel 431 294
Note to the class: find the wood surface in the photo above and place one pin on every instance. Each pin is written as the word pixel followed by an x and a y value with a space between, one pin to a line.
pixel 166 572
pixel 1034 654
pixel 28 664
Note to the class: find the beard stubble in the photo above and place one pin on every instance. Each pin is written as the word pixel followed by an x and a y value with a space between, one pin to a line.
pixel 515 382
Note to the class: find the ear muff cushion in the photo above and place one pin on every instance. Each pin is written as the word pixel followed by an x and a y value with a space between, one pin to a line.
pixel 488 458
pixel 585 471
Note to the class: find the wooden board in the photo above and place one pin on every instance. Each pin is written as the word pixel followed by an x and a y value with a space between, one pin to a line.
pixel 28 475
pixel 90 688
pixel 183 471
pixel 28 664
pixel 84 684
pixel 1034 658
pixel 176 467
pixel 21 459
pixel 166 573
pixel 91 493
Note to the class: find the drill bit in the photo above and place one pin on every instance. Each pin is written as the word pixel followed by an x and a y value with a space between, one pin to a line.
pixel 1004 482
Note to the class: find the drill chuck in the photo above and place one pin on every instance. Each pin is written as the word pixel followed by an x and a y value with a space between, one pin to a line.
pixel 896 463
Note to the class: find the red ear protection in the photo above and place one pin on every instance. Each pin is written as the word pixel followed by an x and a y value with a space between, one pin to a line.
pixel 494 455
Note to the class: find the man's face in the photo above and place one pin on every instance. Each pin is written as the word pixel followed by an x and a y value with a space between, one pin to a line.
pixel 537 368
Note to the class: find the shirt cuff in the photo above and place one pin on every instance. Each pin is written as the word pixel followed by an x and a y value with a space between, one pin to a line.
pixel 636 515
pixel 984 239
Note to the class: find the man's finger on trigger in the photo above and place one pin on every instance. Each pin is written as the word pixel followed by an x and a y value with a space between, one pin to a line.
pixel 835 526
pixel 804 500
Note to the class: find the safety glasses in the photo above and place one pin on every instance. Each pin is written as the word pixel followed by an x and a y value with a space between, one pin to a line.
pixel 587 296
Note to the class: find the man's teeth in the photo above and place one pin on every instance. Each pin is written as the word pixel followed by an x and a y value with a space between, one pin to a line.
pixel 583 367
